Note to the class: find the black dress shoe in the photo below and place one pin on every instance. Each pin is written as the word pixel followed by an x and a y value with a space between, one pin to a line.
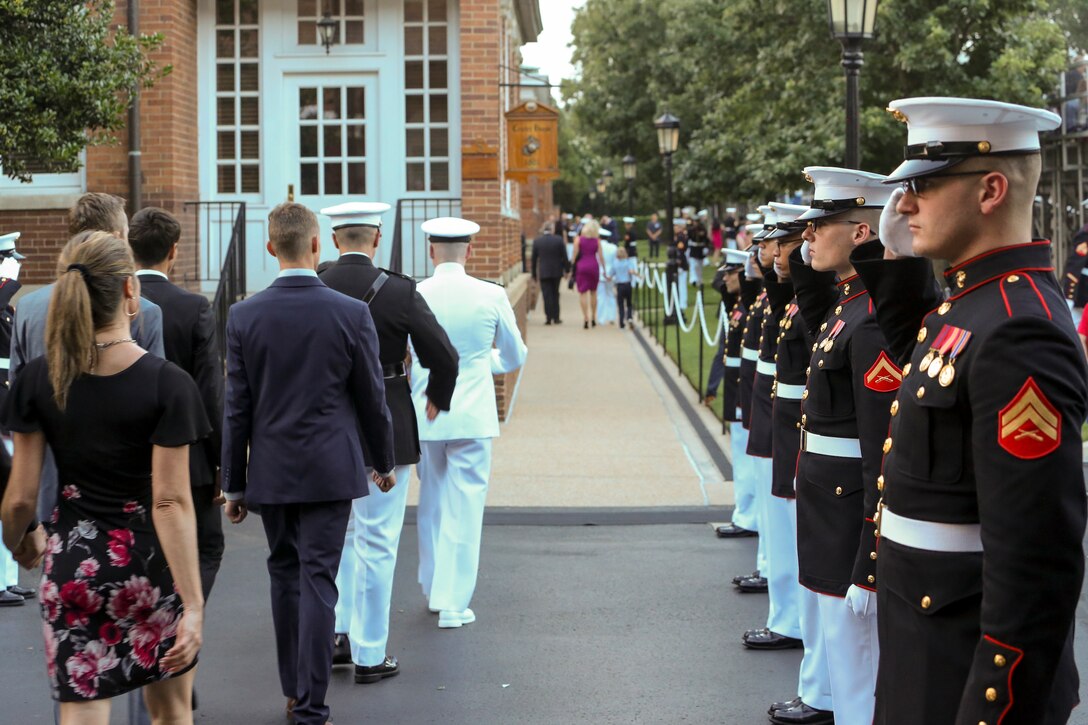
pixel 10 599
pixel 783 705
pixel 341 650
pixel 558 321
pixel 802 714
pixel 24 592
pixel 732 531
pixel 753 585
pixel 547 322
pixel 766 639
pixel 367 675
pixel 741 577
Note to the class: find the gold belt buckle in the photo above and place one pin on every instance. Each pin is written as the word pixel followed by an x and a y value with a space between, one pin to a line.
pixel 878 515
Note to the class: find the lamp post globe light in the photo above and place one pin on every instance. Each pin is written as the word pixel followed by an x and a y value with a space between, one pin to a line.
pixel 630 170
pixel 852 21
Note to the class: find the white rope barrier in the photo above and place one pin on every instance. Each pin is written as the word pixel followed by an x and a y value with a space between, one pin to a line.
pixel 655 279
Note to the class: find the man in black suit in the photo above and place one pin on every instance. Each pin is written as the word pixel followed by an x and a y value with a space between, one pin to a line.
pixel 189 341
pixel 365 578
pixel 550 263
pixel 303 381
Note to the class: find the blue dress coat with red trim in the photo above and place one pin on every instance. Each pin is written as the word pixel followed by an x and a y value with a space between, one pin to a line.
pixel 760 424
pixel 751 293
pixel 734 334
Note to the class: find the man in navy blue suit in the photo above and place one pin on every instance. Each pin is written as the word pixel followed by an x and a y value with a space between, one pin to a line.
pixel 303 383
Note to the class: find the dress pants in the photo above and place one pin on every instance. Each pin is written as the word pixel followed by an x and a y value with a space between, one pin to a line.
pixel 305 541
pixel 606 302
pixel 745 508
pixel 695 276
pixel 623 299
pixel 778 532
pixel 453 479
pixel 717 367
pixel 814 678
pixel 852 656
pixel 365 578
pixel 682 287
pixel 209 536
pixel 549 290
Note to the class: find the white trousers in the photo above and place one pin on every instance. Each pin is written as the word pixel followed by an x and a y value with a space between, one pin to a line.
pixel 682 286
pixel 778 532
pixel 607 308
pixel 695 275
pixel 852 656
pixel 453 489
pixel 744 491
pixel 9 570
pixel 814 678
pixel 365 577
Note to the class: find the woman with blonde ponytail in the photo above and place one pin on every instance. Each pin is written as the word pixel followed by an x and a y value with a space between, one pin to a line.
pixel 121 596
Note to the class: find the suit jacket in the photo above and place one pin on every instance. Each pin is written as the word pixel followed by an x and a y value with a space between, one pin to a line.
pixel 189 340
pixel 28 342
pixel 549 257
pixel 400 312
pixel 480 323
pixel 303 380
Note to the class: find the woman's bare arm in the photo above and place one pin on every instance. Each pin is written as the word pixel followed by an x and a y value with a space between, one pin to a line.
pixel 21 498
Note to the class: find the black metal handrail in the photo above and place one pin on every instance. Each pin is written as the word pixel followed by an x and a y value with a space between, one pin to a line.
pixel 412 213
pixel 223 264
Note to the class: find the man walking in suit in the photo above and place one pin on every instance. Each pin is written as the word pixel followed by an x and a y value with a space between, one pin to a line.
pixel 189 340
pixel 366 570
pixel 303 381
pixel 549 265
pixel 455 461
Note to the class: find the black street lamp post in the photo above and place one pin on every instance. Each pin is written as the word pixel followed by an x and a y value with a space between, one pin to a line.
pixel 630 169
pixel 668 139
pixel 852 21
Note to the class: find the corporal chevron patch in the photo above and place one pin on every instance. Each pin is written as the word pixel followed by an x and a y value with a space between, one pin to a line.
pixel 883 376
pixel 1029 426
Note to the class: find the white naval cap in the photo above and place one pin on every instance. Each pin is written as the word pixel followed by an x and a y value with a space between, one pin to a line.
pixel 786 220
pixel 357 214
pixel 734 258
pixel 679 221
pixel 839 190
pixel 770 221
pixel 942 132
pixel 605 232
pixel 703 212
pixel 628 220
pixel 7 244
pixel 730 210
pixel 751 229
pixel 753 216
pixel 449 229
pixel 572 233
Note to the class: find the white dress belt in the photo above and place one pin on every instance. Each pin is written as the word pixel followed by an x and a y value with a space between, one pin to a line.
pixel 732 362
pixel 789 392
pixel 830 446
pixel 749 354
pixel 765 368
pixel 930 535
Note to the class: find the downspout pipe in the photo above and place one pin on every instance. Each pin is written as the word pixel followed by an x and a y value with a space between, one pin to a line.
pixel 135 170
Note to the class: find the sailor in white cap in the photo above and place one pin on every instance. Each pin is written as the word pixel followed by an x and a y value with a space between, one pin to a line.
pixel 982 515
pixel 365 576
pixel 607 310
pixel 629 236
pixel 9 284
pixel 455 464
pixel 680 247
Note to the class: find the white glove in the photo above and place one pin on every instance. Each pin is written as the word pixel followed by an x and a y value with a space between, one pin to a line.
pixel 805 256
pixel 895 231
pixel 10 268
pixel 861 602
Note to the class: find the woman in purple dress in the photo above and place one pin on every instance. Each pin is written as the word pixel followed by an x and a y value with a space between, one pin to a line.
pixel 588 263
pixel 121 601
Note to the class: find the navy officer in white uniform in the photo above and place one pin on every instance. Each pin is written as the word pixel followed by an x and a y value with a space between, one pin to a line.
pixel 455 447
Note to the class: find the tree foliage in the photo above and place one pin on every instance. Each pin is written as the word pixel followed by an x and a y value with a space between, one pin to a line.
pixel 760 90
pixel 65 82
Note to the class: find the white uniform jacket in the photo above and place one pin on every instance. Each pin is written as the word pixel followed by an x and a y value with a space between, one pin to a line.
pixel 479 321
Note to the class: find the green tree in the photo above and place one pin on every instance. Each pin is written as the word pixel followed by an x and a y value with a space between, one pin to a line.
pixel 65 83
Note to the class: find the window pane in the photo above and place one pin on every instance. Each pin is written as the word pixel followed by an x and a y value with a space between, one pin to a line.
pixel 413 11
pixel 436 40
pixel 334 180
pixel 307 8
pixel 413 40
pixel 356 140
pixel 440 176
pixel 414 142
pixel 307 32
pixel 251 147
pixel 332 103
pixel 332 142
pixel 247 12
pixel 226 145
pixel 439 109
pixel 416 179
pixel 357 178
pixel 224 77
pixel 247 42
pixel 248 76
pixel 251 179
pixel 224 113
pixel 307 141
pixel 353 31
pixel 413 74
pixel 226 179
pixel 356 102
pixel 353 7
pixel 250 114
pixel 307 103
pixel 224 44
pixel 440 144
pixel 224 12
pixel 437 77
pixel 309 179
pixel 436 11
pixel 413 109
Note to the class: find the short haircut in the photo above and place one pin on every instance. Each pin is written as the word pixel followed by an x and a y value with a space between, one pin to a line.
pixel 352 238
pixel 152 234
pixel 291 226
pixel 97 212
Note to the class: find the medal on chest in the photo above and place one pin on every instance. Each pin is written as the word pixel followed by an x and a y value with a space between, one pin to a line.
pixel 829 341
pixel 787 319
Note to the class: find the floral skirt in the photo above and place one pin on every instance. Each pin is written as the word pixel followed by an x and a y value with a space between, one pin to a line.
pixel 109 608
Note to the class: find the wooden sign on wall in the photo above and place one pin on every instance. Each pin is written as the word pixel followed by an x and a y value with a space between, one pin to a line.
pixel 532 142
pixel 479 161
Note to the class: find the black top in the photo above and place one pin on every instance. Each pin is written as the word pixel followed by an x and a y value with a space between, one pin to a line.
pixel 549 260
pixel 102 441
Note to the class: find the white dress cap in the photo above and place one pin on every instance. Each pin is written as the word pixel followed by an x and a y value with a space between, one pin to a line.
pixel 7 244
pixel 840 190
pixel 941 132
pixel 605 232
pixel 628 220
pixel 753 216
pixel 751 229
pixel 449 229
pixel 785 219
pixel 356 214
pixel 734 257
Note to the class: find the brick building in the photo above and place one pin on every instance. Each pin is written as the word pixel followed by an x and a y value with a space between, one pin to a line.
pixel 405 106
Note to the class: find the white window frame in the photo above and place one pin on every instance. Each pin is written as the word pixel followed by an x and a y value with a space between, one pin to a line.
pixel 44 191
pixel 426 92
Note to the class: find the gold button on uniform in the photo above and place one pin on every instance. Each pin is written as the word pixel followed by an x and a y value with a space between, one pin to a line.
pixel 838 490
pixel 798 426
pixel 922 334
pixel 961 279
pixel 872 555
pixel 1012 278
pixel 895 408
pixel 823 327
pixel 887 444
pixel 921 392
pixel 871 579
pixel 804 395
pixel 808 370
pixel 999 660
pixel 926 602
pixel 906 370
pixel 820 364
pixel 991 694
pixel 804 419
pixel 838 309
pixel 814 346
pixel 880 482
pixel 846 288
pixel 944 308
